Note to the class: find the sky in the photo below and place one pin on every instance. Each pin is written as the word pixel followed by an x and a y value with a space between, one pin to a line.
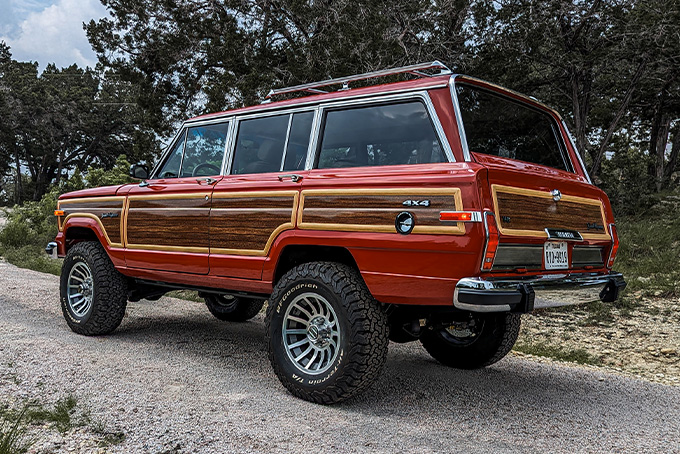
pixel 49 31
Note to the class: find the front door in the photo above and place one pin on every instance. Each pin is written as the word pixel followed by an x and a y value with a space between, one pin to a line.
pixel 168 216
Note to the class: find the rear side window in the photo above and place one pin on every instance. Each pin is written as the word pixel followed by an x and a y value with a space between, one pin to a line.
pixel 391 134
pixel 272 144
pixel 498 126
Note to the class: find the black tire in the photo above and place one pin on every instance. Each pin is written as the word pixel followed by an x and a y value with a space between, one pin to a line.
pixel 488 339
pixel 105 309
pixel 233 309
pixel 353 359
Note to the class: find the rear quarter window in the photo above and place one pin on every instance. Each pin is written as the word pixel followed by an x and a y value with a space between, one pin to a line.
pixel 390 134
pixel 498 126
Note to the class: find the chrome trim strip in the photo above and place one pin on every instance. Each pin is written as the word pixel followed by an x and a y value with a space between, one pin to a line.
pixel 459 118
pixel 476 215
pixel 314 139
pixel 231 143
pixel 380 99
pixel 285 143
pixel 578 153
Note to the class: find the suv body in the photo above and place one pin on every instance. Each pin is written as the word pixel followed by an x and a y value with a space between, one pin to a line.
pixel 449 205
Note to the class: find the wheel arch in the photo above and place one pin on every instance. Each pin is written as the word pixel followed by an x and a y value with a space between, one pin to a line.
pixel 296 254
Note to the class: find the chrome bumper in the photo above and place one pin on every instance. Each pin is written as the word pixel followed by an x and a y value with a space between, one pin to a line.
pixel 505 294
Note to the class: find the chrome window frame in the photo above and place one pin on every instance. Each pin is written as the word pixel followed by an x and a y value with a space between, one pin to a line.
pixel 259 114
pixel 419 95
pixel 185 129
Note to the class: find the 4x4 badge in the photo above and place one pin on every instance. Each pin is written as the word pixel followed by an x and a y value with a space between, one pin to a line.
pixel 416 203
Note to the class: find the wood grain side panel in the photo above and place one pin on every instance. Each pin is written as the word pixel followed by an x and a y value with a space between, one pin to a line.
pixel 168 223
pixel 95 208
pixel 375 210
pixel 247 229
pixel 527 212
pixel 247 202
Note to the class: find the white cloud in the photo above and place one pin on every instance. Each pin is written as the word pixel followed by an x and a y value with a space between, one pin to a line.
pixel 54 34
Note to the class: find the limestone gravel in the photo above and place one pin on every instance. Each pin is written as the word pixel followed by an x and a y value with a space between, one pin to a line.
pixel 174 379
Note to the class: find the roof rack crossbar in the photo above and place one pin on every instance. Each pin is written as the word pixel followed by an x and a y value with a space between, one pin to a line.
pixel 416 70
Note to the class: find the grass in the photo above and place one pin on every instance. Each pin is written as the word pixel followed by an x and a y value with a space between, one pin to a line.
pixel 63 416
pixel 578 355
pixel 13 433
pixel 190 295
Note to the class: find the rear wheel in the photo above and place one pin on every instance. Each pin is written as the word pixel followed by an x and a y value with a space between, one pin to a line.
pixel 477 342
pixel 93 292
pixel 233 309
pixel 327 336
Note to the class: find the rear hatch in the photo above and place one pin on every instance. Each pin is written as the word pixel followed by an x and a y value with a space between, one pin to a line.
pixel 546 216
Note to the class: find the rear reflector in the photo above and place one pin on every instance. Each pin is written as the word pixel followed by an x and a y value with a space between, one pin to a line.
pixel 491 241
pixel 460 216
pixel 58 212
pixel 615 246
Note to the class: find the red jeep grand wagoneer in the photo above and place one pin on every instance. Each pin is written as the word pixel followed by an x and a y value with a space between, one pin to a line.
pixel 437 209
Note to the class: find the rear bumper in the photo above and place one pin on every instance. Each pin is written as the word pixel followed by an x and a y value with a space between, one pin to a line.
pixel 535 292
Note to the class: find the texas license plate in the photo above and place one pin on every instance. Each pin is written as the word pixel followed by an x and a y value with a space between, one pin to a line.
pixel 555 255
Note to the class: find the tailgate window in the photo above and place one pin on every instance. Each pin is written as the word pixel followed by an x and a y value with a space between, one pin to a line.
pixel 502 127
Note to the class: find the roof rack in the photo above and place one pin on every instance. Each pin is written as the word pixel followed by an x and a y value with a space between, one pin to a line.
pixel 314 87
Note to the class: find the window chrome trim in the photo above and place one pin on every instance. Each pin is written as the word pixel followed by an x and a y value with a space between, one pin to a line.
pixel 310 104
pixel 285 143
pixel 227 148
pixel 459 118
pixel 422 96
pixel 166 155
pixel 314 139
pixel 576 150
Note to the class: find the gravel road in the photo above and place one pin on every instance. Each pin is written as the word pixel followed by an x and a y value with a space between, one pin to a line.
pixel 174 379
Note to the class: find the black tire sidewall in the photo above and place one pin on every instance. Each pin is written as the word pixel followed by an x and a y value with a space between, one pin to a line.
pixel 288 371
pixel 72 259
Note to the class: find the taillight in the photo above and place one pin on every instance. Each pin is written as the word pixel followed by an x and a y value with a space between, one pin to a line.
pixel 460 216
pixel 615 246
pixel 491 241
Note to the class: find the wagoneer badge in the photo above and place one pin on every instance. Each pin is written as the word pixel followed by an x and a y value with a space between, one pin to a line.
pixel 405 222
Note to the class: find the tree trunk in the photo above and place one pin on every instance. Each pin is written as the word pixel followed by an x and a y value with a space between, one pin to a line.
pixel 17 180
pixel 673 158
pixel 660 145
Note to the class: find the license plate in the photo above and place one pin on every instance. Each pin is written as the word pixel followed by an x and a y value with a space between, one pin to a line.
pixel 555 255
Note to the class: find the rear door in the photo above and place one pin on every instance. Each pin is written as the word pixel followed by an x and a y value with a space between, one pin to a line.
pixel 548 216
pixel 167 216
pixel 257 202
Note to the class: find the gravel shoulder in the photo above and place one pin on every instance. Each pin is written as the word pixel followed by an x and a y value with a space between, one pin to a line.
pixel 174 379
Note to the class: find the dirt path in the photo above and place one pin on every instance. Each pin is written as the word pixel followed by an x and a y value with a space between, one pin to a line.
pixel 173 379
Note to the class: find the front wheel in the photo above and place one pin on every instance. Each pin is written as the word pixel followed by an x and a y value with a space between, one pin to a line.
pixel 93 292
pixel 479 341
pixel 327 336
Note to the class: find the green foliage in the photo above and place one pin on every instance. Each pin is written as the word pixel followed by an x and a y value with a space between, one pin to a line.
pixel 621 179
pixel 61 416
pixel 649 253
pixel 31 226
pixel 13 427
pixel 578 355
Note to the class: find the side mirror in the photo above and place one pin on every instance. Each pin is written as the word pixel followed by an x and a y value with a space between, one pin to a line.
pixel 139 171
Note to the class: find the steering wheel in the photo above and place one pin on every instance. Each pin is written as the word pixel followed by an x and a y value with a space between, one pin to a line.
pixel 205 165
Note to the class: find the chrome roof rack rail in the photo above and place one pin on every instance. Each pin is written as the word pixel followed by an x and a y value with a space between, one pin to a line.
pixel 314 87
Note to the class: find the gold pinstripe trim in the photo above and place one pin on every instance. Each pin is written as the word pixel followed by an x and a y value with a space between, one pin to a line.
pixel 96 218
pixel 496 188
pixel 458 229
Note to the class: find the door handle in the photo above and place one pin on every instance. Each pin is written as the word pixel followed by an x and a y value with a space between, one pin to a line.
pixel 208 180
pixel 293 177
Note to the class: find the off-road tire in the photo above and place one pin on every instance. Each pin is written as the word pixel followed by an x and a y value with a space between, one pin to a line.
pixel 110 291
pixel 362 346
pixel 495 340
pixel 233 309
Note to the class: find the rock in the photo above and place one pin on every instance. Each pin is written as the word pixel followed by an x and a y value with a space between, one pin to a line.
pixel 668 351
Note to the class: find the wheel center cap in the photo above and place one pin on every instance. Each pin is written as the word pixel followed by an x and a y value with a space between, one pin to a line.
pixel 319 332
